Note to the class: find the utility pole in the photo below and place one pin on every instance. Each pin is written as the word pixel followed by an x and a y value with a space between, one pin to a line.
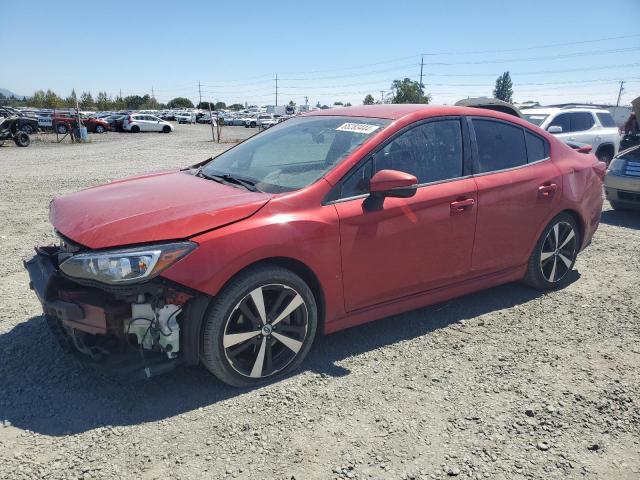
pixel 276 89
pixel 421 86
pixel 381 96
pixel 152 94
pixel 199 91
pixel 306 102
pixel 620 93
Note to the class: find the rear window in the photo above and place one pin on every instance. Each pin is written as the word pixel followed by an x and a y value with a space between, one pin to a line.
pixel 500 145
pixel 606 119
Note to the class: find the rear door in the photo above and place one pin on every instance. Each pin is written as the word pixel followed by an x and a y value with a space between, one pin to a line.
pixel 414 244
pixel 518 186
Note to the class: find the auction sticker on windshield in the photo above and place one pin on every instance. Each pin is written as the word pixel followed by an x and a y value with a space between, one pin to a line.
pixel 357 128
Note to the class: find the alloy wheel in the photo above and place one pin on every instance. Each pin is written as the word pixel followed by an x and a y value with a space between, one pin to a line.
pixel 265 331
pixel 558 252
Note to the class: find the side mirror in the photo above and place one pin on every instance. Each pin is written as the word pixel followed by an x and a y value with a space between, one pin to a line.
pixel 390 183
pixel 554 129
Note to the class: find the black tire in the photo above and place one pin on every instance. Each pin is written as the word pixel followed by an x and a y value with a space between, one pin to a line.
pixel 135 129
pixel 553 271
pixel 253 124
pixel 605 155
pixel 166 129
pixel 99 129
pixel 226 317
pixel 62 129
pixel 22 139
pixel 28 129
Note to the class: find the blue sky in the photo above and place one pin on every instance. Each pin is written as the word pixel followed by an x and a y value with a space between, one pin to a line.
pixel 328 50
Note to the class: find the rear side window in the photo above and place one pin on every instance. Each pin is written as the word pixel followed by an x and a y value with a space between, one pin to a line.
pixel 581 121
pixel 536 147
pixel 500 145
pixel 606 119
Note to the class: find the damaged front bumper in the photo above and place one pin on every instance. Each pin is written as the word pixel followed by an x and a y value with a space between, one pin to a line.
pixel 138 330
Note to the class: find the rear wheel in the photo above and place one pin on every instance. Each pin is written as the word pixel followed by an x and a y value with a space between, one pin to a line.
pixel 99 129
pixel 554 255
pixel 166 129
pixel 260 327
pixel 605 154
pixel 22 139
pixel 62 129
pixel 135 129
pixel 26 128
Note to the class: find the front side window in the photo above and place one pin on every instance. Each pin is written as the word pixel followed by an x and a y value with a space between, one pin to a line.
pixel 500 145
pixel 431 151
pixel 581 121
pixel 562 121
pixel 296 153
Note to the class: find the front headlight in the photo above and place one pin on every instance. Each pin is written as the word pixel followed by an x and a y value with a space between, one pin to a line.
pixel 126 265
pixel 617 166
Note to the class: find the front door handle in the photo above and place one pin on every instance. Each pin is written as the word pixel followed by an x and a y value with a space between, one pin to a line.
pixel 547 190
pixel 461 205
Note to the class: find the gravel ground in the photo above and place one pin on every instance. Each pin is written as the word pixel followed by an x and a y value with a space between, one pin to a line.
pixel 504 384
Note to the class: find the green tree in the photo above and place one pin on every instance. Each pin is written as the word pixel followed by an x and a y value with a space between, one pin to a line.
pixel 318 105
pixel 103 102
pixel 37 100
pixel 133 102
pixel 70 101
pixel 149 103
pixel 292 103
pixel 338 104
pixel 348 104
pixel 236 106
pixel 205 105
pixel 504 88
pixel 408 91
pixel 180 102
pixel 119 103
pixel 86 101
pixel 51 100
pixel 220 106
pixel 368 100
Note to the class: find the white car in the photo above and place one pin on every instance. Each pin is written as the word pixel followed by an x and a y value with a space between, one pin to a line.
pixel 138 122
pixel 594 126
pixel 253 122
pixel 186 117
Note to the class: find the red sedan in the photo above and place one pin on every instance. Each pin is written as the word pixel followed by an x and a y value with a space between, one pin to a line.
pixel 328 220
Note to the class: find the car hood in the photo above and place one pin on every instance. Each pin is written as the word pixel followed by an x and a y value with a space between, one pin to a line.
pixel 151 208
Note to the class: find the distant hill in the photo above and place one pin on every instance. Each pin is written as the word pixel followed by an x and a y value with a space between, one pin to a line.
pixel 9 93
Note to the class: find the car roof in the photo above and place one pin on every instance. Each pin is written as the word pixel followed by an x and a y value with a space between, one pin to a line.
pixel 552 110
pixel 396 111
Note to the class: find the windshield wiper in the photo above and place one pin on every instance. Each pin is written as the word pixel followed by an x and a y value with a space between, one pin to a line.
pixel 228 178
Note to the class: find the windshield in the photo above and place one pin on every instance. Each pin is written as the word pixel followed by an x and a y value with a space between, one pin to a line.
pixel 296 153
pixel 535 118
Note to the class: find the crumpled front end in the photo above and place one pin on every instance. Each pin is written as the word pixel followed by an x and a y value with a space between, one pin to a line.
pixel 140 329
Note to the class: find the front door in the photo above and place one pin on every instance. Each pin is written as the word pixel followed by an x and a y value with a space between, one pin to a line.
pixel 409 245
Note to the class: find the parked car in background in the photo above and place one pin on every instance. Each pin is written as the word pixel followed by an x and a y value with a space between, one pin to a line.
pixel 593 126
pixel 270 122
pixel 324 222
pixel 137 122
pixel 622 182
pixel 63 123
pixel 254 121
pixel 186 117
pixel 25 123
pixel 116 122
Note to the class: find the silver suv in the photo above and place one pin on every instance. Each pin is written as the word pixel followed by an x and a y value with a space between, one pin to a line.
pixel 594 126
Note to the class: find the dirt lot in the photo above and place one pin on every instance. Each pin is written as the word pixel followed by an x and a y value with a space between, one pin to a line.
pixel 503 384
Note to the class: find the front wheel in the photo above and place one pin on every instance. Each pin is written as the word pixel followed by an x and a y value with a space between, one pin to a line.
pixel 554 255
pixel 22 139
pixel 62 129
pixel 99 129
pixel 260 327
pixel 166 129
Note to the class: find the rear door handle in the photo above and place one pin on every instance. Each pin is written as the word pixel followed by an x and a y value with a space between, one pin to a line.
pixel 460 206
pixel 547 190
